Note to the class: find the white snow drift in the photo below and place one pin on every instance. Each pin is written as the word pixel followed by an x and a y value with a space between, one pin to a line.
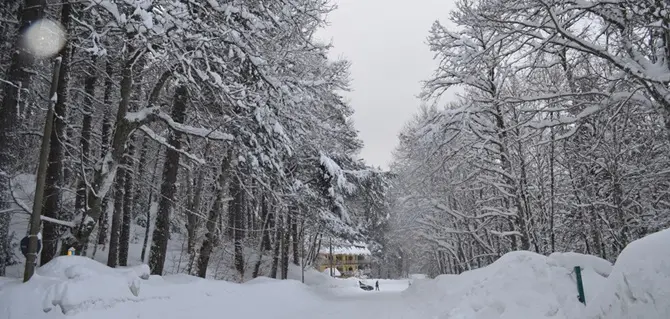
pixel 528 285
pixel 518 285
pixel 639 285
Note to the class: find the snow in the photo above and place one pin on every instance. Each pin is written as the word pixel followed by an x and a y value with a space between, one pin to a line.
pixel 570 260
pixel 112 9
pixel 639 284
pixel 418 276
pixel 336 172
pixel 336 273
pixel 142 114
pixel 346 250
pixel 78 287
pixel 520 284
pixel 163 141
pixel 69 285
pixel 57 221
pixel 195 131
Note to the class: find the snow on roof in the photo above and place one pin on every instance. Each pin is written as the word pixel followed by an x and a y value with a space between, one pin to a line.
pixel 346 250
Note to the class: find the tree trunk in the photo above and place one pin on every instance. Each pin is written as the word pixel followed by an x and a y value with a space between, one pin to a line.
pixel 118 146
pixel 190 182
pixel 266 241
pixel 124 240
pixel 286 242
pixel 85 140
pixel 140 195
pixel 161 232
pixel 277 247
pixel 149 206
pixel 106 137
pixel 295 240
pixel 129 165
pixel 192 218
pixel 552 188
pixel 106 171
pixel 215 212
pixel 236 209
pixel 51 232
pixel 117 219
pixel 314 248
pixel 261 248
pixel 211 236
pixel 69 175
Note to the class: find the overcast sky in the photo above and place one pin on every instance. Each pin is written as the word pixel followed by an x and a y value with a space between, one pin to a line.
pixel 386 42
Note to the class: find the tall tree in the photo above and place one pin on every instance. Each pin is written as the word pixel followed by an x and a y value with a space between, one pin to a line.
pixel 168 188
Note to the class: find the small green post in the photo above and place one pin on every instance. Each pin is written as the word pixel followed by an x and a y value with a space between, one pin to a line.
pixel 580 285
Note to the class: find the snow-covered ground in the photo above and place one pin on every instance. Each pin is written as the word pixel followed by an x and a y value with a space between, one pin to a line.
pixel 78 287
pixel 518 285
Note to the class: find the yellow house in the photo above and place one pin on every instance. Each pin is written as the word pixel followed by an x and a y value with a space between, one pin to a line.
pixel 350 261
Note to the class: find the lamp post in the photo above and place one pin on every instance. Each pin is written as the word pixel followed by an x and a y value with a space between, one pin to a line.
pixel 35 218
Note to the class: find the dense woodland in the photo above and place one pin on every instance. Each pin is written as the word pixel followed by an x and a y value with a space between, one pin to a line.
pixel 558 140
pixel 217 127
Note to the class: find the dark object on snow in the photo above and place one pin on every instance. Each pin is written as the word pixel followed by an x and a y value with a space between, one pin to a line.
pixel 365 287
pixel 377 285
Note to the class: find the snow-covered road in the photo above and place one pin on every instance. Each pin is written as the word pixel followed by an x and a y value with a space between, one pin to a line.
pixel 356 303
pixel 322 303
pixel 374 305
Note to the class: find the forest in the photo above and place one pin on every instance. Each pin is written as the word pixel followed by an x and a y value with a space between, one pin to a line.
pixel 558 140
pixel 216 127
pixel 214 138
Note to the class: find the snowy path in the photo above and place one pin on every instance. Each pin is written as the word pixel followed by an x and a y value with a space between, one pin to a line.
pixel 374 305
pixel 278 302
pixel 356 303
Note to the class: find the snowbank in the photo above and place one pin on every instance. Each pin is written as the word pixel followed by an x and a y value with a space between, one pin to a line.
pixel 80 288
pixel 72 284
pixel 571 259
pixel 315 278
pixel 518 285
pixel 418 276
pixel 336 273
pixel 639 284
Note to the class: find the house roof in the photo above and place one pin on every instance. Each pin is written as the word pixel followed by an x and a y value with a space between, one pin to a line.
pixel 346 250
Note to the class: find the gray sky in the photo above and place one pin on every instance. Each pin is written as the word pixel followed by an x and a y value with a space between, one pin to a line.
pixel 386 42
